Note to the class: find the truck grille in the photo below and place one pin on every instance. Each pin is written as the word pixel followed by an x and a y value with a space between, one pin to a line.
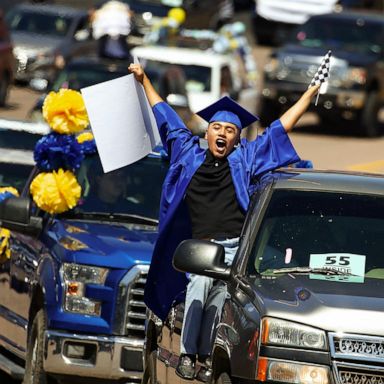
pixel 365 351
pixel 130 308
pixel 347 376
pixel 357 347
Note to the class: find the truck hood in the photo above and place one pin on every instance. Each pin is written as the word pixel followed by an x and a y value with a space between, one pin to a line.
pixel 315 55
pixel 330 305
pixel 113 245
pixel 34 44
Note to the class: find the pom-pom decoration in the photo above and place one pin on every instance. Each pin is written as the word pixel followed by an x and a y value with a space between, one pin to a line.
pixel 5 253
pixel 65 111
pixel 54 151
pixel 87 143
pixel 55 192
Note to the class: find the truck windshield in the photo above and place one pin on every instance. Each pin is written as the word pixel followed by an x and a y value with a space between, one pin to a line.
pixel 356 36
pixel 317 230
pixel 131 190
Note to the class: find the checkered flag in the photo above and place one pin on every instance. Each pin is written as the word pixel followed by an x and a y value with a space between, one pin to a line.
pixel 322 74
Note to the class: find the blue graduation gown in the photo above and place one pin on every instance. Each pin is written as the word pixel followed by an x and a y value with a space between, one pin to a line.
pixel 268 151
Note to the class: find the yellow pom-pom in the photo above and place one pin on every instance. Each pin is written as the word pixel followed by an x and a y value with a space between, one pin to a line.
pixel 65 111
pixel 177 14
pixel 12 190
pixel 86 136
pixel 55 192
pixel 5 252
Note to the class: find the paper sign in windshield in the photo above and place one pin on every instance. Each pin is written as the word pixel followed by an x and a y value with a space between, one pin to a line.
pixel 350 264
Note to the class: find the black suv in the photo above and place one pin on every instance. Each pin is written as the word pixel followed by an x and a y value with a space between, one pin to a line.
pixel 356 86
pixel 305 293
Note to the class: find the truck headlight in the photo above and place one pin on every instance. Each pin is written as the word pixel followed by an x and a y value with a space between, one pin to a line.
pixel 76 277
pixel 281 332
pixel 291 372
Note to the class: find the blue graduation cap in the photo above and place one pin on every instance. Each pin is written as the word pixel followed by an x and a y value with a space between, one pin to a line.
pixel 227 110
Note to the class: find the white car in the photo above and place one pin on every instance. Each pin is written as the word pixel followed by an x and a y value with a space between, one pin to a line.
pixel 208 75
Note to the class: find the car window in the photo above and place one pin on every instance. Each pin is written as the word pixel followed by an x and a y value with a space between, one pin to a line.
pixel 14 175
pixel 40 23
pixel 298 226
pixel 198 78
pixel 350 35
pixel 134 189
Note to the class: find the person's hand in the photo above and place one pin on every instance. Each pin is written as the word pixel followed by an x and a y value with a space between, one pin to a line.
pixel 137 71
pixel 312 91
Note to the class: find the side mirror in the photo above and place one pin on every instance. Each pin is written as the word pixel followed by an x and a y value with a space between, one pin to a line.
pixel 39 85
pixel 15 215
pixel 201 257
pixel 82 35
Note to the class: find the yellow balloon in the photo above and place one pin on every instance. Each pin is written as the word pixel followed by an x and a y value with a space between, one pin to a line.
pixel 177 14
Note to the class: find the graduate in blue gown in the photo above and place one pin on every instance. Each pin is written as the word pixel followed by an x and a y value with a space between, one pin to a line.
pixel 240 161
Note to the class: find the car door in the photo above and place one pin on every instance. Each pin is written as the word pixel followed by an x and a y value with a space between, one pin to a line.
pixel 17 277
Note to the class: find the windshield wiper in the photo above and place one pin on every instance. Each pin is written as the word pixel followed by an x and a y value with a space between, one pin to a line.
pixel 105 216
pixel 321 271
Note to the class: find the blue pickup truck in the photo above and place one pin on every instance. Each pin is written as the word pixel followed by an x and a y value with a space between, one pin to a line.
pixel 71 303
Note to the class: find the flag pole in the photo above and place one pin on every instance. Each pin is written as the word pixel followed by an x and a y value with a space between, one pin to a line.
pixel 317 97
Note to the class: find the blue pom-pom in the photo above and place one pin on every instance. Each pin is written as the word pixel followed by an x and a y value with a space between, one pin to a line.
pixel 88 147
pixel 54 151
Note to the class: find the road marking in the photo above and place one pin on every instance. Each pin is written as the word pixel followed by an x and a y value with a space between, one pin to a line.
pixel 374 166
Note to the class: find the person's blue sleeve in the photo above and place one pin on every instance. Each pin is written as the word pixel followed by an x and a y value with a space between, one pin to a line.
pixel 175 136
pixel 271 150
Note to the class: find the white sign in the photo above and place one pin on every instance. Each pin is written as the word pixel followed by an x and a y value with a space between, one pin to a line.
pixel 122 121
pixel 351 264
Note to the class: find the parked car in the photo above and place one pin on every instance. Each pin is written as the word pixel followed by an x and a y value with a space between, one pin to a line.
pixel 208 75
pixel 355 90
pixel 274 20
pixel 46 36
pixel 199 14
pixel 304 295
pixel 104 249
pixel 7 61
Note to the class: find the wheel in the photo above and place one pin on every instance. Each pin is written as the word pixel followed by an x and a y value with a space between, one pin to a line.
pixel 224 378
pixel 370 116
pixel 149 374
pixel 4 87
pixel 34 370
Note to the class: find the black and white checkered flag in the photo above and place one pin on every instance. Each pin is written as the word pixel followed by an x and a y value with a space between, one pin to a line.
pixel 322 74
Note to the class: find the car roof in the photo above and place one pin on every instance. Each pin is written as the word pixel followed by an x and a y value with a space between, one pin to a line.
pixel 351 16
pixel 177 55
pixel 329 181
pixel 52 9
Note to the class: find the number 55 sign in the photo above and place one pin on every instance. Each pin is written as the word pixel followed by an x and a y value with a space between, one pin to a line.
pixel 348 263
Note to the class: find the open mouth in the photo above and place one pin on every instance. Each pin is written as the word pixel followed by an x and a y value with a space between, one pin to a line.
pixel 221 144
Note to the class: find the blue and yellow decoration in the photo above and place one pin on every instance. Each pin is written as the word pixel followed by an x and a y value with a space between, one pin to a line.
pixel 5 253
pixel 60 153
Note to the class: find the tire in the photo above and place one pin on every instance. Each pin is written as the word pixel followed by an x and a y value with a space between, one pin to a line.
pixel 149 374
pixel 369 116
pixel 224 378
pixel 34 370
pixel 4 87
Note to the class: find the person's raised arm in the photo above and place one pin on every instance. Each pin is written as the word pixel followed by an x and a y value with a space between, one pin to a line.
pixel 293 114
pixel 152 95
